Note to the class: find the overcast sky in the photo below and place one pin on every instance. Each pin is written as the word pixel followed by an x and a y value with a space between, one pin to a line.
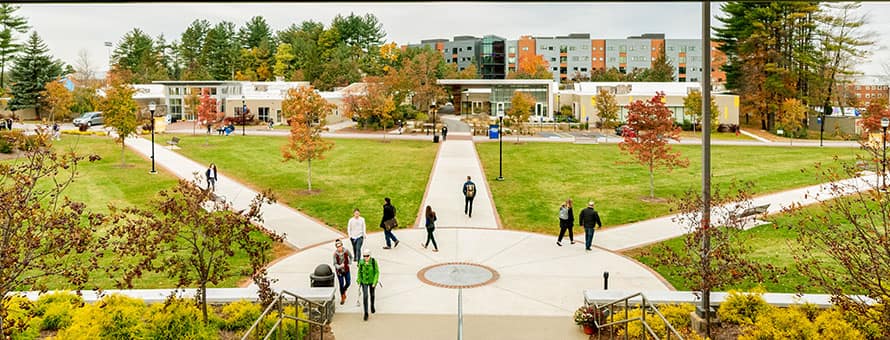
pixel 69 28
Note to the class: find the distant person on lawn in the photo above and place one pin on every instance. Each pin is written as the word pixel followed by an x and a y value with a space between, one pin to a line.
pixel 368 276
pixel 357 229
pixel 342 257
pixel 388 223
pixel 469 195
pixel 566 221
pixel 589 219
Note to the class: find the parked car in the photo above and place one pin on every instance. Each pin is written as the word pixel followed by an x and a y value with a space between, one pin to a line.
pixel 89 119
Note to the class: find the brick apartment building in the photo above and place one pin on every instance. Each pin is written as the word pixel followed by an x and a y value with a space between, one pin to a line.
pixel 577 55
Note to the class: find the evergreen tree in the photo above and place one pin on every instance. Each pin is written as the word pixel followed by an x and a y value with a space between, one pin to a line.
pixel 255 33
pixel 221 51
pixel 189 51
pixel 32 70
pixel 141 56
pixel 10 24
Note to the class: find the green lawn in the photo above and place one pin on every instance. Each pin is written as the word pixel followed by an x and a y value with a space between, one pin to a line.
pixel 103 182
pixel 539 176
pixel 769 244
pixel 355 173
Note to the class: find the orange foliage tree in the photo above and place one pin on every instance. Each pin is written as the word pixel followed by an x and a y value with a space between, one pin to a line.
pixel 375 105
pixel 306 113
pixel 871 119
pixel 57 99
pixel 651 126
pixel 532 67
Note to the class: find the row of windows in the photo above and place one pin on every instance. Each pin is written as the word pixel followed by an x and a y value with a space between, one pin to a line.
pixel 869 95
pixel 871 87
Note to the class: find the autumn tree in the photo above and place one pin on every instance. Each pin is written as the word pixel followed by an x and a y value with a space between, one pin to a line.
pixel 191 236
pixel 843 248
pixel 190 104
pixel 33 68
pixel 652 124
pixel 46 237
pixel 373 106
pixel 207 113
pixel 606 109
pixel 871 119
pixel 85 99
pixel 119 110
pixel 792 114
pixel 306 113
pixel 57 100
pixel 532 67
pixel 693 107
pixel 469 72
pixel 520 110
pixel 727 261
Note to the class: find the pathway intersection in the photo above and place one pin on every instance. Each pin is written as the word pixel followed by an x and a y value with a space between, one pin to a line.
pixel 532 276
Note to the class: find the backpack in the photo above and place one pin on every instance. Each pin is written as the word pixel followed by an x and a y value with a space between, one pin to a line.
pixel 563 213
pixel 471 190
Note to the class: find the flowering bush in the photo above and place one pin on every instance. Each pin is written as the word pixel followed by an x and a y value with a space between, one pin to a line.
pixel 587 315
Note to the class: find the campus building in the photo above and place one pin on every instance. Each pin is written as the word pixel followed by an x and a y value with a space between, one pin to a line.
pixel 491 96
pixel 575 56
pixel 581 99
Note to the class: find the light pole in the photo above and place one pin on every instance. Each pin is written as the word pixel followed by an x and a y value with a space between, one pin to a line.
pixel 151 109
pixel 885 122
pixel 433 110
pixel 109 45
pixel 243 114
pixel 500 144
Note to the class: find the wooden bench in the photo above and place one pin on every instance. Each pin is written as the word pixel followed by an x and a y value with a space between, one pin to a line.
pixel 174 141
pixel 754 211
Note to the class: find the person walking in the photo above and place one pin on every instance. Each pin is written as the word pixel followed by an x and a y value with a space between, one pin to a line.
pixel 444 132
pixel 211 176
pixel 589 218
pixel 469 194
pixel 566 222
pixel 368 275
pixel 356 229
pixel 430 227
pixel 57 131
pixel 388 223
pixel 342 257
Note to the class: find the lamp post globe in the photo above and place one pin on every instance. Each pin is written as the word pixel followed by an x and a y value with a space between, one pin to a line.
pixel 151 109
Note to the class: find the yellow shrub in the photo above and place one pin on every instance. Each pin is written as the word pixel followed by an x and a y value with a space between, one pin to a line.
pixel 18 321
pixel 113 317
pixel 177 319
pixel 57 309
pixel 787 323
pixel 831 325
pixel 240 315
pixel 677 315
pixel 743 308
pixel 287 327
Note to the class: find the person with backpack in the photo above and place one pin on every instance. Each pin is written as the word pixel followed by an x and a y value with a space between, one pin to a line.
pixel 368 276
pixel 469 194
pixel 388 223
pixel 356 229
pixel 211 176
pixel 444 132
pixel 430 227
pixel 566 221
pixel 589 219
pixel 342 257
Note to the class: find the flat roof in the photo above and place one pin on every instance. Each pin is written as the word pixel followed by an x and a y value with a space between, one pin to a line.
pixel 495 82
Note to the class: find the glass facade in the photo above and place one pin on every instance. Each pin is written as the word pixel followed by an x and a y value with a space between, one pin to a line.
pixel 176 94
pixel 503 94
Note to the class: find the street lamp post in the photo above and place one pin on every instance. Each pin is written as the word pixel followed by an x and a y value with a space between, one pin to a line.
pixel 151 109
pixel 885 122
pixel 500 144
pixel 467 105
pixel 243 114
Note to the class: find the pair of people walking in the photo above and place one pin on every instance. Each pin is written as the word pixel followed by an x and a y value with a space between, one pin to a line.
pixel 356 228
pixel 589 219
pixel 368 275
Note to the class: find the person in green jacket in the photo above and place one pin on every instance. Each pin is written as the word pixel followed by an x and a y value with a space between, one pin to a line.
pixel 368 273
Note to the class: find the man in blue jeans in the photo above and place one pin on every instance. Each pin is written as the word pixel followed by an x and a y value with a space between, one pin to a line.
pixel 589 219
pixel 389 213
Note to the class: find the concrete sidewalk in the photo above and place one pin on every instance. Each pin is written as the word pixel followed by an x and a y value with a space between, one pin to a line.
pixel 299 230
pixel 455 161
pixel 444 327
pixel 663 228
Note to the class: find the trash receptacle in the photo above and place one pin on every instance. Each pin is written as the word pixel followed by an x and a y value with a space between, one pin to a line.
pixel 493 131
pixel 435 138
pixel 323 276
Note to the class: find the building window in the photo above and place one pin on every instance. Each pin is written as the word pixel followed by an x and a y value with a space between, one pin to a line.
pixel 622 60
pixel 584 47
pixel 525 48
pixel 469 48
pixel 555 69
pixel 512 49
pixel 612 59
pixel 583 69
pixel 263 114
pixel 631 48
pixel 691 48
pixel 611 48
pixel 553 59
pixel 622 48
pixel 574 58
pixel 550 48
pixel 562 49
pixel 571 48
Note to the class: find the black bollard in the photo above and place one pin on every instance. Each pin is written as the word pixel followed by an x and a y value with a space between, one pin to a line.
pixel 605 280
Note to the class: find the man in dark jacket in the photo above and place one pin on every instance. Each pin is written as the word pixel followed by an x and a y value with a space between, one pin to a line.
pixel 469 194
pixel 389 213
pixel 444 132
pixel 589 219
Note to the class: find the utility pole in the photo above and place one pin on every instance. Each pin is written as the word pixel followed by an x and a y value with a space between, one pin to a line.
pixel 706 157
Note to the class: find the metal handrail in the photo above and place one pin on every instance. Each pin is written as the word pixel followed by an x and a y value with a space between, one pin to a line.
pixel 278 303
pixel 460 314
pixel 644 307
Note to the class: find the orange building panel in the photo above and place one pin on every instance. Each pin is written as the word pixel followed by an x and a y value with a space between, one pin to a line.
pixel 525 47
pixel 597 54
pixel 657 49
pixel 440 46
pixel 718 59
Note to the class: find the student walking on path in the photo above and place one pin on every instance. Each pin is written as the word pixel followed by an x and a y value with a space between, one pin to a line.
pixel 388 223
pixel 356 229
pixel 469 194
pixel 566 222
pixel 368 275
pixel 444 132
pixel 430 227
pixel 589 218
pixel 342 257
pixel 211 177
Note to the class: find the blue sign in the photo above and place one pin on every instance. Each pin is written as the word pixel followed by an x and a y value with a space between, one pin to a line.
pixel 819 120
pixel 493 131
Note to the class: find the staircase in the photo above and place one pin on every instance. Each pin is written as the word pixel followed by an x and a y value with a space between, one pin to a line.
pixel 314 315
pixel 609 310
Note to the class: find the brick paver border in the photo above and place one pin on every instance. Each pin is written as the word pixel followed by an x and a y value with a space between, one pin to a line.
pixel 422 277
